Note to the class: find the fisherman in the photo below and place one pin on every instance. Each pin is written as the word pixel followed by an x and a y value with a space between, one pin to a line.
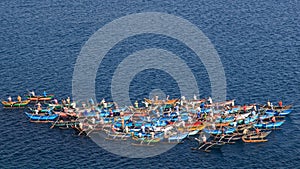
pixel 195 97
pixel 68 101
pixel 73 105
pixel 143 129
pixel 104 105
pixel 19 98
pixel 39 106
pixel 280 104
pixel 32 93
pixel 245 108
pixel 167 97
pixel 140 135
pixel 202 105
pixel 253 113
pixel 269 104
pixel 83 105
pixel 257 108
pixel 9 99
pixel 45 93
pixel 55 101
pixel 102 101
pixel 273 119
pixel 63 101
pixel 198 114
pixel 92 101
pixel 203 138
pixel 111 113
pixel 157 113
pixel 152 135
pixel 272 107
pixel 136 104
pixel 204 116
pixel 177 108
pixel 257 131
pixel 49 111
pixel 209 100
pixel 146 104
pixel 245 131
pixel 148 119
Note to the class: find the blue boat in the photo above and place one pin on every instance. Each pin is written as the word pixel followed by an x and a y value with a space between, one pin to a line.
pixel 266 116
pixel 160 123
pixel 234 110
pixel 42 118
pixel 279 113
pixel 119 124
pixel 269 125
pixel 250 119
pixel 226 120
pixel 226 131
pixel 177 137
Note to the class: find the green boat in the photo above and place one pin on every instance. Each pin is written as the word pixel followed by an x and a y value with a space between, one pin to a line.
pixel 16 104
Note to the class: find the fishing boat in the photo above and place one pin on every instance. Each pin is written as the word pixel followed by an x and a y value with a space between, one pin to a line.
pixel 216 132
pixel 256 138
pixel 42 118
pixel 177 138
pixel 208 145
pixel 279 113
pixel 222 104
pixel 269 125
pixel 266 107
pixel 148 141
pixel 15 104
pixel 117 136
pixel 65 124
pixel 43 110
pixel 161 102
pixel 192 133
pixel 40 98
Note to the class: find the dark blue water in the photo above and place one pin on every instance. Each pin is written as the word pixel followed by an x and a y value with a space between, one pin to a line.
pixel 259 46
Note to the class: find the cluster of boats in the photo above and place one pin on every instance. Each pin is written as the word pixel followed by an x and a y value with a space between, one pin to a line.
pixel 150 122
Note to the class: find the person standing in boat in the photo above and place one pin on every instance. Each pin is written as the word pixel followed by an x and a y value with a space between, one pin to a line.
pixel 204 138
pixel 39 106
pixel 245 108
pixel 19 98
pixel 146 104
pixel 245 131
pixel 68 101
pixel 49 112
pixel 273 119
pixel 45 93
pixel 280 104
pixel 55 101
pixel 272 107
pixel 257 131
pixel 136 104
pixel 209 100
pixel 9 99
pixel 111 113
pixel 143 129
pixel 32 93
pixel 269 104
pixel 257 108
